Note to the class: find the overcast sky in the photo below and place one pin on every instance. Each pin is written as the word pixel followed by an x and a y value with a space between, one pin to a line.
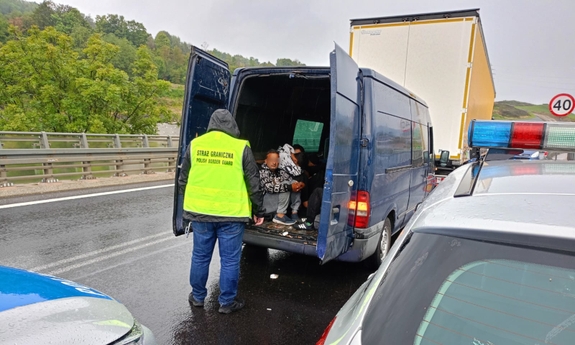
pixel 530 43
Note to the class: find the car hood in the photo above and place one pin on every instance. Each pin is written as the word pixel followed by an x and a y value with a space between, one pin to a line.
pixel 35 307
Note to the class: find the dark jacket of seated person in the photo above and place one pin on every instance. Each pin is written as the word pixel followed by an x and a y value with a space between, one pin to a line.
pixel 277 185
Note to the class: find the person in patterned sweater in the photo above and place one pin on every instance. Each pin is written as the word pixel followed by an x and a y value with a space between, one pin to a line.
pixel 277 186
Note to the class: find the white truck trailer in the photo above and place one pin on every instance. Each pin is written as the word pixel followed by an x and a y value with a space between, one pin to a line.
pixel 442 58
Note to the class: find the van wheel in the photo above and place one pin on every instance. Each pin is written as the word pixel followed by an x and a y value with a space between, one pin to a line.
pixel 384 243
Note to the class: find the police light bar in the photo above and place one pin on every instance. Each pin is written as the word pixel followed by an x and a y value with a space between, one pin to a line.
pixel 522 135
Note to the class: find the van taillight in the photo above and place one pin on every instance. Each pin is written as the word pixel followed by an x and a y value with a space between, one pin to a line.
pixel 321 340
pixel 360 207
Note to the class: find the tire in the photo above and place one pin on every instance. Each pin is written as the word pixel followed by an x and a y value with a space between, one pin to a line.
pixel 384 243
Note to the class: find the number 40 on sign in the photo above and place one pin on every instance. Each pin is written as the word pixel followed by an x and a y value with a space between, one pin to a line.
pixel 562 105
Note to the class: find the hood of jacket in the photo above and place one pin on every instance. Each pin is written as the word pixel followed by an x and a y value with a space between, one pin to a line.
pixel 222 120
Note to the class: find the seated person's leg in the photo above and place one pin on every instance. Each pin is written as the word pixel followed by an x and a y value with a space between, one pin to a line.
pixel 295 199
pixel 314 205
pixel 305 192
pixel 283 203
pixel 271 201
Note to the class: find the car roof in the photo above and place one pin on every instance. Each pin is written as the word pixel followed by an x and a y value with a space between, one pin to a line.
pixel 513 202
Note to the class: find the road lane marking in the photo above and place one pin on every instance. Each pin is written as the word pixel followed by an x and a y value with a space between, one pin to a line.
pixel 95 252
pixel 93 273
pixel 106 257
pixel 37 202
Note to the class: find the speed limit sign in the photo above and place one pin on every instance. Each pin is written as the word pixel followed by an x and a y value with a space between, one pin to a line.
pixel 562 105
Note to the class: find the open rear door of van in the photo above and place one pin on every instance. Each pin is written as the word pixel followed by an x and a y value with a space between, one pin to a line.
pixel 336 226
pixel 207 89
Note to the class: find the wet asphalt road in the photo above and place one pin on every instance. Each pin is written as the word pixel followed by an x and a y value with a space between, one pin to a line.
pixel 122 245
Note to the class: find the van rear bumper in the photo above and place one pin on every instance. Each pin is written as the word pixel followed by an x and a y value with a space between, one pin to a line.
pixel 275 242
pixel 364 244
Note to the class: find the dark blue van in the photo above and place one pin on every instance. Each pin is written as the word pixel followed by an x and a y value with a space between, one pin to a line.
pixel 374 136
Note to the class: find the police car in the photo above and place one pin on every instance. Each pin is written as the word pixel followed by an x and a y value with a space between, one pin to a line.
pixel 42 309
pixel 488 258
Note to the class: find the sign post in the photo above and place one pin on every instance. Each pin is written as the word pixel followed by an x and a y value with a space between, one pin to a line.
pixel 562 105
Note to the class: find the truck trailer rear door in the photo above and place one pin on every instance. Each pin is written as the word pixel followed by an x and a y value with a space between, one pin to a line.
pixel 336 227
pixel 207 89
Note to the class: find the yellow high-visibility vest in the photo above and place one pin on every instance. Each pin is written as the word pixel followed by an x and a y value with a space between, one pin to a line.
pixel 216 184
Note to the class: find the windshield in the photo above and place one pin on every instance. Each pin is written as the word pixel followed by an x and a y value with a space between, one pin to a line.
pixel 444 290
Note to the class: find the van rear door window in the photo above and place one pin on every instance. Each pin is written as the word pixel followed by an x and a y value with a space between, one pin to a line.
pixel 308 135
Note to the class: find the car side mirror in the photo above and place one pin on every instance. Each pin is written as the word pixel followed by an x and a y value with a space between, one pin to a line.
pixel 443 158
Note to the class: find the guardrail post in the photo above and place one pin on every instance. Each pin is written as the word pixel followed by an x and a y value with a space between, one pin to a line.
pixel 170 141
pixel 117 142
pixel 84 141
pixel 146 141
pixel 44 143
pixel 48 172
pixel 3 175
pixel 148 166
pixel 87 168
pixel 171 164
pixel 119 162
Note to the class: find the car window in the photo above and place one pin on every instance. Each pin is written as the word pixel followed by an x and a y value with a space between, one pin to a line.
pixel 501 302
pixel 308 135
pixel 445 290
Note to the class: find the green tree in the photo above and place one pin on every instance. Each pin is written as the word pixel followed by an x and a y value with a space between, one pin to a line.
pixel 126 54
pixel 80 36
pixel 43 15
pixel 131 30
pixel 4 33
pixel 67 18
pixel 288 63
pixel 16 7
pixel 45 84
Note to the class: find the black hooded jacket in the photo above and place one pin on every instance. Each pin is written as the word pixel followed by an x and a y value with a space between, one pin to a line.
pixel 223 121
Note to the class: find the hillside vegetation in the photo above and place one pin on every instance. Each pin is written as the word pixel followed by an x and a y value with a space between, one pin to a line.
pixel 63 71
pixel 514 110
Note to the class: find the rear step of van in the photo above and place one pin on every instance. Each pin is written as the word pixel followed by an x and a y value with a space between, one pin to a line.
pixel 286 231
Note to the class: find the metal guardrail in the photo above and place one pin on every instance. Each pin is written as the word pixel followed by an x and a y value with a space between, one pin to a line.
pixel 28 156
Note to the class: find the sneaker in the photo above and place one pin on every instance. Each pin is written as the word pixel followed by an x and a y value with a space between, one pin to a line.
pixel 195 302
pixel 296 218
pixel 303 226
pixel 236 305
pixel 285 220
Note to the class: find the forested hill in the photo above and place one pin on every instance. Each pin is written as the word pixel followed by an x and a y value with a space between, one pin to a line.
pixel 64 71
pixel 170 53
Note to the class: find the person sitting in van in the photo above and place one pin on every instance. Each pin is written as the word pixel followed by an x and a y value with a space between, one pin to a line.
pixel 312 213
pixel 289 163
pixel 313 172
pixel 277 185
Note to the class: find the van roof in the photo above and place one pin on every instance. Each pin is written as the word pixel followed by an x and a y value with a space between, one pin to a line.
pixel 413 17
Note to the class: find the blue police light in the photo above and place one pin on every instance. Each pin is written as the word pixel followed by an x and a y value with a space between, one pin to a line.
pixel 489 134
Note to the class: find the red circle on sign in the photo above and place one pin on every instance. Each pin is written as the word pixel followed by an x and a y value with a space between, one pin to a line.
pixel 552 111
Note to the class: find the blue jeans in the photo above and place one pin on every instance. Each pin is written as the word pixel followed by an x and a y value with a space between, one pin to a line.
pixel 229 236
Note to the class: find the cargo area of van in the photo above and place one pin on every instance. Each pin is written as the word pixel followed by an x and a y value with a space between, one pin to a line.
pixel 285 107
